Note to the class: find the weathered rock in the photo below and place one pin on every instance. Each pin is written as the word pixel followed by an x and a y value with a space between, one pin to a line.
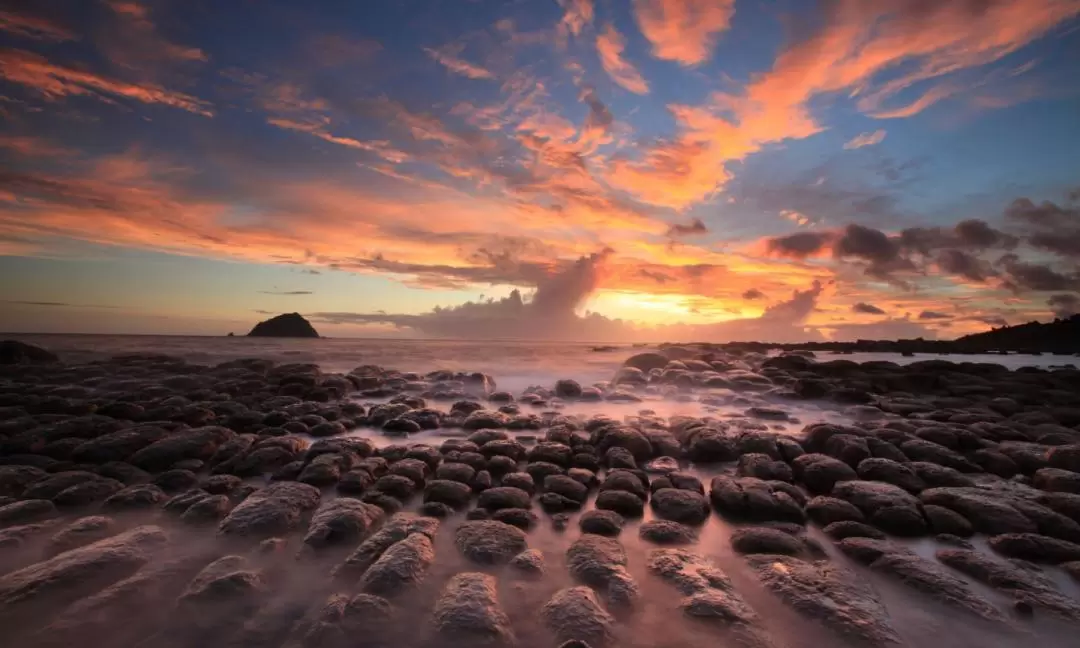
pixel 943 520
pixel 397 486
pixel 88 492
pixel 1035 547
pixel 26 511
pixel 488 541
pixel 523 519
pixel 890 472
pixel 763 540
pixel 274 510
pixel 208 510
pixel 223 591
pixel 826 510
pixel 594 559
pixel 575 614
pixel 119 445
pixel 77 573
pixel 452 493
pixel 752 499
pixel 870 496
pixel 821 472
pixel 567 487
pixel 622 502
pixel 987 512
pixel 503 497
pixel 402 566
pixel 176 480
pixel 928 451
pixel 1056 480
pixel 1018 582
pixel 665 532
pixel 81 532
pixel 468 611
pixel 530 561
pixel 520 480
pixel 852 529
pixel 143 496
pixel 342 521
pixel 605 523
pixel 677 505
pixel 56 483
pixel 396 529
pixel 15 479
pixel 831 595
pixel 195 443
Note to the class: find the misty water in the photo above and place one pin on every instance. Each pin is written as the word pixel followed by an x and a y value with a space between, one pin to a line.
pixel 301 583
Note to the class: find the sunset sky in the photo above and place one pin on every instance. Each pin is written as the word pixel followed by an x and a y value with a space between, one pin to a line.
pixel 574 169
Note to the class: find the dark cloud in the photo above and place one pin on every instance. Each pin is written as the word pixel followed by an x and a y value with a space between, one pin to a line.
pixel 991 320
pixel 934 315
pixel 753 294
pixel 693 228
pixel 286 292
pixel 658 277
pixel 1051 227
pixel 799 245
pixel 50 304
pixel 881 252
pixel 1023 276
pixel 870 309
pixel 962 264
pixel 1064 305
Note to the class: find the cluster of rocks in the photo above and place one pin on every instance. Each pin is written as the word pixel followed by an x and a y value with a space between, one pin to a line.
pixel 256 454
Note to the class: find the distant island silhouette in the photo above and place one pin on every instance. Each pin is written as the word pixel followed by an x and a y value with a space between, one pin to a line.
pixel 291 325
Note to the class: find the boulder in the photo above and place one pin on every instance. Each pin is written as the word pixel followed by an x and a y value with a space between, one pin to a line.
pixel 1021 584
pixel 826 510
pixel 828 594
pixel 604 523
pixel 852 529
pixel 503 497
pixel 468 611
pixel 622 502
pixel 1035 547
pixel 25 511
pixel 396 529
pixel 821 472
pixel 455 494
pixel 402 566
pixel 489 542
pixel 943 520
pixel 751 499
pixel 890 472
pixel 84 531
pixel 119 445
pixel 566 486
pixel 575 614
pixel 274 510
pixel 207 510
pixel 987 512
pixel 342 521
pixel 665 532
pixel 677 505
pixel 869 496
pixel 764 540
pixel 196 443
pixel 594 559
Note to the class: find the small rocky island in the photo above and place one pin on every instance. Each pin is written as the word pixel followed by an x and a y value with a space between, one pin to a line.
pixel 291 325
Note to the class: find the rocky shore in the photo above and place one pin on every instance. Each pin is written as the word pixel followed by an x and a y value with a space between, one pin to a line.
pixel 149 501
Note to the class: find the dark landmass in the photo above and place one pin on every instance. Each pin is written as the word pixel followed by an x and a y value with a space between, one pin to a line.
pixel 1060 337
pixel 15 352
pixel 287 325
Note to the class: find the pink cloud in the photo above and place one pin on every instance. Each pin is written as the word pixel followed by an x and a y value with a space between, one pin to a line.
pixel 610 45
pixel 683 31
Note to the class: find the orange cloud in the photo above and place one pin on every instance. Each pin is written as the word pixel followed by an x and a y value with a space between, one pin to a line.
pixel 577 14
pixel 35 27
pixel 449 57
pixel 610 45
pixel 683 31
pixel 55 81
pixel 865 139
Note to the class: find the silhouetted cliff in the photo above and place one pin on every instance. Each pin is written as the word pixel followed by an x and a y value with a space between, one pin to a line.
pixel 287 325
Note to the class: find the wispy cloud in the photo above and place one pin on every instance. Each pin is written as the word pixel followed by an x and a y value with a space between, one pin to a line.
pixel 610 46
pixel 450 58
pixel 865 139
pixel 34 27
pixel 286 292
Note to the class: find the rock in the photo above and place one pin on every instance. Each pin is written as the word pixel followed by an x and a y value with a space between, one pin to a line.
pixel 453 471
pixel 342 521
pixel 401 566
pixel 986 512
pixel 828 594
pixel 575 614
pixel 84 531
pixel 134 498
pixel 209 509
pixel 826 510
pixel 468 611
pixel 900 521
pixel 710 595
pixel 15 479
pixel 937 476
pixel 274 510
pixel 604 523
pixel 1066 457
pixel 520 480
pixel 622 502
pixel 286 325
pixel 1035 547
pixel 624 480
pixel 707 445
pixel 568 389
pixel 621 437
pixel 594 559
pixel 763 540
pixel 922 575
pixel 56 483
pixel 397 486
pixel 763 467
pixel 848 448
pixel 119 445
pixel 567 487
pixel 677 505
pixel 555 503
pixel 943 520
pixel 1056 480
pixel 14 352
pixel 30 510
pixel 222 591
pixel 869 496
pixel 452 493
pixel 821 472
pixel 662 465
pixel 529 562
pixel 195 443
pixel 646 361
pixel 523 519
pixel 890 472
pixel 852 529
pixel 1020 583
pixel 396 529
pixel 77 573
pixel 685 481
pixel 489 542
pixel 920 450
pixel 665 532
pixel 502 497
pixel 752 499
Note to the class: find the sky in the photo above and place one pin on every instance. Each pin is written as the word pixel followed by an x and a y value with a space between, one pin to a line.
pixel 623 170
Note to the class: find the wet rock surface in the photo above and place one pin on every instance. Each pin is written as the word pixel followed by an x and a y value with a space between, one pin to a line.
pixel 422 493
